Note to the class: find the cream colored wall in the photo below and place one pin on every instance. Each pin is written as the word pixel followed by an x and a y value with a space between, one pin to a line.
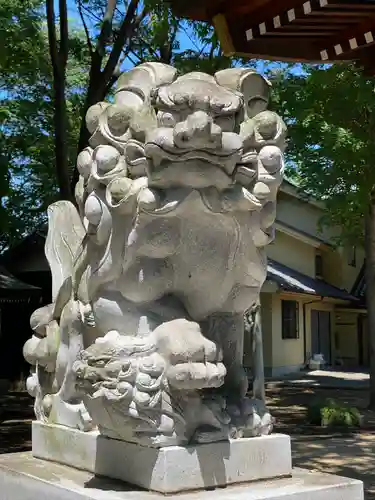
pixel 350 273
pixel 337 271
pixel 333 267
pixel 282 353
pixel 285 352
pixel 303 216
pixel 290 352
pixel 292 253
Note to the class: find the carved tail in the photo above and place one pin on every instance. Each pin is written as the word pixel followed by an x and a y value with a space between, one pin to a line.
pixel 65 235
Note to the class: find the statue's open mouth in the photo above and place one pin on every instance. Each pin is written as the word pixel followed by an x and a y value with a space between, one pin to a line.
pixel 161 147
pixel 170 166
pixel 219 158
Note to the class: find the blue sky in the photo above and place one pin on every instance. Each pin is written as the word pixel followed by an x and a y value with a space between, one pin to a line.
pixel 184 38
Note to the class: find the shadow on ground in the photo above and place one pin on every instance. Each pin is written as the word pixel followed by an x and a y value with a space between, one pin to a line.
pixel 329 379
pixel 349 454
pixel 16 413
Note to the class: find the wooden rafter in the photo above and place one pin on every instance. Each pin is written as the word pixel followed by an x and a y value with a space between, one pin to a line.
pixel 290 30
pixel 294 20
pixel 349 40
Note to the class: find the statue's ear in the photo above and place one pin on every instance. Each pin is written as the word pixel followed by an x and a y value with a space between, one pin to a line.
pixel 143 79
pixel 256 92
pixel 253 86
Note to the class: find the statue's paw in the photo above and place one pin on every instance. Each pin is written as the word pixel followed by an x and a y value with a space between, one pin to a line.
pixel 68 414
pixel 191 376
pixel 251 418
pixel 181 341
pixel 194 361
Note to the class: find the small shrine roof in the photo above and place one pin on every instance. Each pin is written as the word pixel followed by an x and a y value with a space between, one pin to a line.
pixel 319 31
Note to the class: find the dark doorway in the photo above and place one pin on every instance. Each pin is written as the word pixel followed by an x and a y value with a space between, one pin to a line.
pixel 321 334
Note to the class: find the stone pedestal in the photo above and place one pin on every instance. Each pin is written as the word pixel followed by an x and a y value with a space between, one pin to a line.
pixel 23 477
pixel 166 470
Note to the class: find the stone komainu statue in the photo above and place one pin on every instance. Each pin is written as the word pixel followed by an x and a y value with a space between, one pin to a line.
pixel 154 271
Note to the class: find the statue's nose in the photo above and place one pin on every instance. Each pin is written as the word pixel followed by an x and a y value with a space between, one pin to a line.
pixel 198 131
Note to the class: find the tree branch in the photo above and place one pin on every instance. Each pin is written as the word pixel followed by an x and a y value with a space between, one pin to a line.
pixel 89 44
pixel 140 18
pixel 174 33
pixel 124 34
pixel 91 14
pixel 52 41
pixel 166 51
pixel 64 36
pixel 106 30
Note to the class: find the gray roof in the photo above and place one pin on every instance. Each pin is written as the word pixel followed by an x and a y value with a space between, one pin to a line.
pixel 8 282
pixel 293 281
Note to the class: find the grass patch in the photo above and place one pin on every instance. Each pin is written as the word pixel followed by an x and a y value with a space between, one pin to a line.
pixel 330 413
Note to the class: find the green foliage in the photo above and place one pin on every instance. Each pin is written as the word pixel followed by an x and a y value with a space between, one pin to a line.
pixel 27 164
pixel 27 172
pixel 331 117
pixel 329 413
pixel 28 181
pixel 189 46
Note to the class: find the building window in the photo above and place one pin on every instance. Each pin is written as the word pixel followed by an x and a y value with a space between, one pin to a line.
pixel 290 319
pixel 352 257
pixel 318 265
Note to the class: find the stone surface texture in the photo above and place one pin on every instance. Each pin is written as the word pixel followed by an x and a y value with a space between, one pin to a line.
pixel 154 271
pixel 25 478
pixel 170 469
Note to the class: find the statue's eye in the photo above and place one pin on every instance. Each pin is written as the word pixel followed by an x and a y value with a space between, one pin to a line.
pixel 166 119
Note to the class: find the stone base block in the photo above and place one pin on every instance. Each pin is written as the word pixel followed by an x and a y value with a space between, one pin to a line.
pixel 170 469
pixel 23 477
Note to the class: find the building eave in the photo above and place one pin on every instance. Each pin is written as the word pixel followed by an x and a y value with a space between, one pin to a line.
pixel 291 281
pixel 290 188
pixel 302 236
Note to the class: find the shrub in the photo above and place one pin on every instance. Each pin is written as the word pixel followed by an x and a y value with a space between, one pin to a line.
pixel 330 413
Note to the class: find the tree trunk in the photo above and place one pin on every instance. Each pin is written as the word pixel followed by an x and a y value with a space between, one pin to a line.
pixel 61 139
pixel 59 57
pixel 370 291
